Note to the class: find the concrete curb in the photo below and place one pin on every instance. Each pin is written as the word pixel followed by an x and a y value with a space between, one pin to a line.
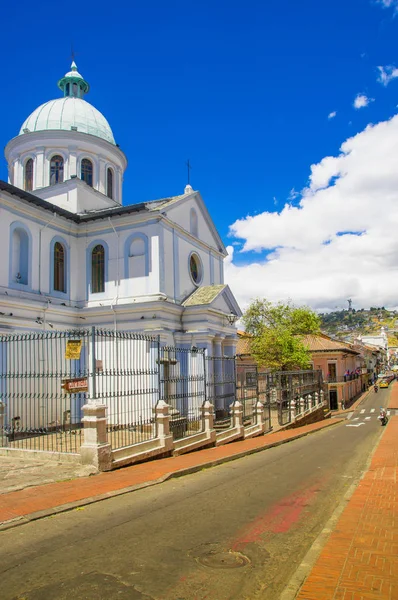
pixel 187 471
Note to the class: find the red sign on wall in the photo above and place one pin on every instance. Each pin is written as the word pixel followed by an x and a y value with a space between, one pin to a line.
pixel 74 386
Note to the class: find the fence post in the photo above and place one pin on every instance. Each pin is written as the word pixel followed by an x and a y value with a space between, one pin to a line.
pixel 259 414
pixel 321 395
pixel 93 364
pixel 208 420
pixel 316 399
pixel 3 438
pixel 293 402
pixel 237 416
pixel 162 419
pixel 310 401
pixel 95 449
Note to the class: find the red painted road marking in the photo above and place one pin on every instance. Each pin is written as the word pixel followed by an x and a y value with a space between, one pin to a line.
pixel 279 519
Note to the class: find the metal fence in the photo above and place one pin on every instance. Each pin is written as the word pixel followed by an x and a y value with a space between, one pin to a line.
pixel 37 410
pixel 221 387
pixel 127 381
pixel 182 386
pixel 47 377
pixel 278 392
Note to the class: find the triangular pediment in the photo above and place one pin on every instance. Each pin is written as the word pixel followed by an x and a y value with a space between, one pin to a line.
pixel 218 297
pixel 178 210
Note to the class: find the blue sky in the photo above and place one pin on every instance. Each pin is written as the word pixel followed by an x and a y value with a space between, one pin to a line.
pixel 243 89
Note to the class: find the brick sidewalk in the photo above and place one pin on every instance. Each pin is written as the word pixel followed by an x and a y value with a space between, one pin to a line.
pixel 40 501
pixel 360 559
pixel 393 397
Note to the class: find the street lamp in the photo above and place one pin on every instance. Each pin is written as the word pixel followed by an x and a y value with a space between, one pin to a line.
pixel 232 318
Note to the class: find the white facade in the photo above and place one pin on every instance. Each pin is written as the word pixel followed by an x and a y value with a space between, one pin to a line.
pixel 74 256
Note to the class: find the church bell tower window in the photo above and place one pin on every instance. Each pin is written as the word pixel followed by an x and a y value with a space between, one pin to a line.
pixel 56 170
pixel 109 183
pixel 28 175
pixel 87 171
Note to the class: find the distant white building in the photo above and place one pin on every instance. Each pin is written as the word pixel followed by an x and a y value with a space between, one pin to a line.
pixel 74 255
pixel 381 340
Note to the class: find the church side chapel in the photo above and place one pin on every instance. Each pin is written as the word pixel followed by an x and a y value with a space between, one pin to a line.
pixel 77 254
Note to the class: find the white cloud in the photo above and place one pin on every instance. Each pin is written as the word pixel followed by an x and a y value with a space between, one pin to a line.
pixel 340 241
pixel 361 101
pixel 332 115
pixel 388 3
pixel 387 74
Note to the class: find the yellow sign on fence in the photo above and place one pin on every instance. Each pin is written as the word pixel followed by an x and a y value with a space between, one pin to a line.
pixel 73 349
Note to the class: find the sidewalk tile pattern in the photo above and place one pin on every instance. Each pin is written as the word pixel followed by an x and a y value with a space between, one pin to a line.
pixel 360 558
pixel 393 396
pixel 21 503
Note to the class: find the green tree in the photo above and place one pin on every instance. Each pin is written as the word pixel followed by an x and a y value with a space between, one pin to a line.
pixel 278 331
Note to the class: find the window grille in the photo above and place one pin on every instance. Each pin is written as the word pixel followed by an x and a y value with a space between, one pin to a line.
pixel 56 170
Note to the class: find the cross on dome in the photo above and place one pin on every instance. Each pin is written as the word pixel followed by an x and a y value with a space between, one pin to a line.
pixel 73 84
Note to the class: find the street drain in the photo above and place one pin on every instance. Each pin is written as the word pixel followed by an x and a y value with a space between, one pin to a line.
pixel 223 560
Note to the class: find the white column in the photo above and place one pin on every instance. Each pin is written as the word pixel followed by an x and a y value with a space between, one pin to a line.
pixel 101 175
pixel 39 178
pixel 218 387
pixel 72 162
pixel 118 185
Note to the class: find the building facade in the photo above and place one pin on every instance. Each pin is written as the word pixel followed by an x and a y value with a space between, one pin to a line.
pixel 75 253
pixel 341 367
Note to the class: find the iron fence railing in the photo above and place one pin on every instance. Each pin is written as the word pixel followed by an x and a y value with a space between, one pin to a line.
pixel 47 377
pixel 182 386
pixel 37 409
pixel 127 381
pixel 342 378
pixel 221 387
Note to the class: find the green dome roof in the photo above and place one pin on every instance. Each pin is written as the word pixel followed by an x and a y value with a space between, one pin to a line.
pixel 65 113
pixel 70 112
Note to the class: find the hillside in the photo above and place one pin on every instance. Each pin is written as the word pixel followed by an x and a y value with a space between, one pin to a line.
pixel 348 324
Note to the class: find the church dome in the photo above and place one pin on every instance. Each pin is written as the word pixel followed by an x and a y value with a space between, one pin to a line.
pixel 70 112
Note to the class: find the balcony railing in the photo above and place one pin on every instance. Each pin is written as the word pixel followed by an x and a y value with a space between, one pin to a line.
pixel 341 378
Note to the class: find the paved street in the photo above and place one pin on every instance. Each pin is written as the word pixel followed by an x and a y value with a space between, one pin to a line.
pixel 236 531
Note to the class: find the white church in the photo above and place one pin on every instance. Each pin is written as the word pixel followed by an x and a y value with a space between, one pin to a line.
pixel 75 256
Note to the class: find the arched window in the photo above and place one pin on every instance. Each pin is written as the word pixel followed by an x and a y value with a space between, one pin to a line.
pixel 56 170
pixel 194 222
pixel 59 268
pixel 20 256
pixel 98 269
pixel 109 183
pixel 87 171
pixel 28 175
